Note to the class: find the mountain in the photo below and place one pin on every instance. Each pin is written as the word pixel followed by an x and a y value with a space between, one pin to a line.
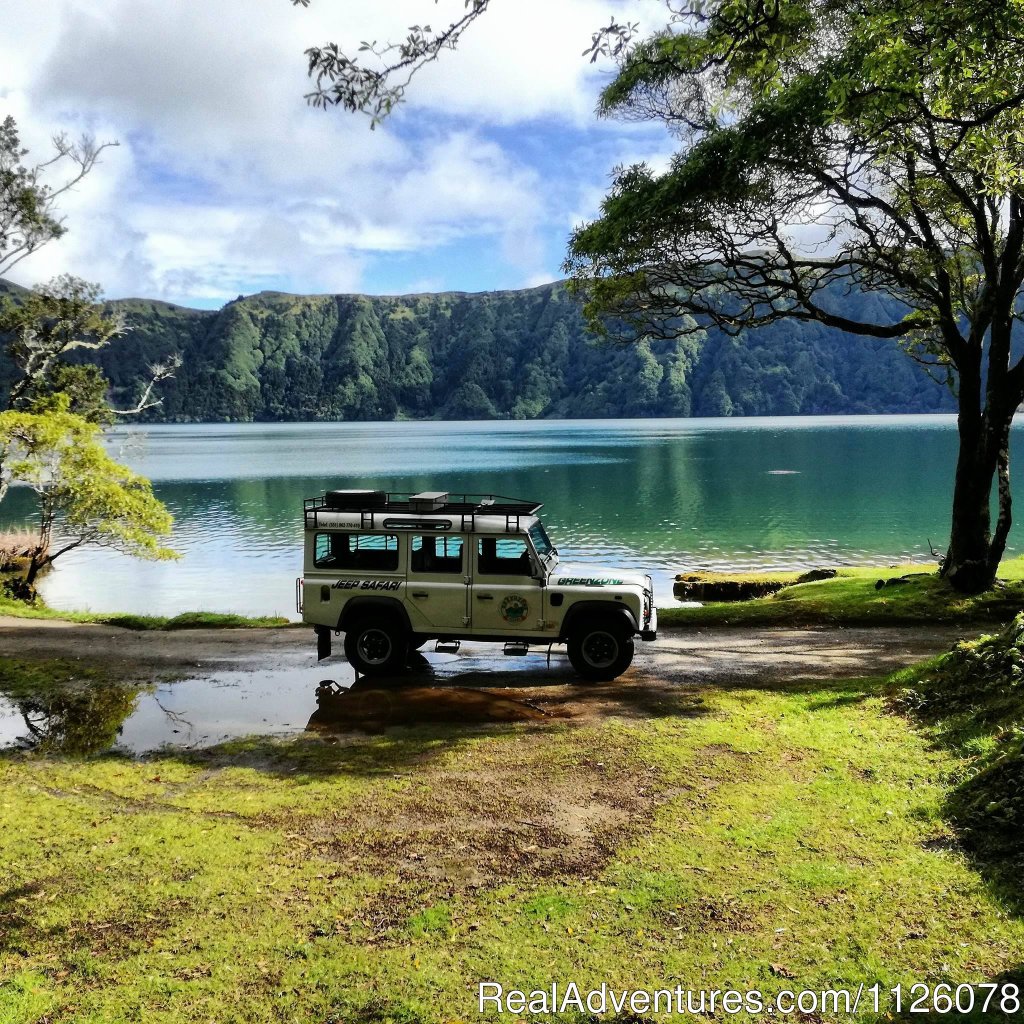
pixel 508 354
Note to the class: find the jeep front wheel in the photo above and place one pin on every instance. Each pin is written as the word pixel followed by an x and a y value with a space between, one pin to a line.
pixel 600 651
pixel 376 647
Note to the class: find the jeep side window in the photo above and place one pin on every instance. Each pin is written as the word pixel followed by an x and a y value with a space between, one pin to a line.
pixel 503 556
pixel 436 554
pixel 371 552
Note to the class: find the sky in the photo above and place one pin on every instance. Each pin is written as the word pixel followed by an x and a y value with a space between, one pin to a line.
pixel 224 182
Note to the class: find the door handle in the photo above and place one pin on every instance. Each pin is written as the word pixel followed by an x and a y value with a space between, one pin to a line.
pixel 420 593
pixel 485 597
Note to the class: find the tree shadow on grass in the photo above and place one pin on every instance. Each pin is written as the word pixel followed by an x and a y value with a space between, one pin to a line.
pixel 388 1011
pixel 996 855
pixel 1006 981
pixel 971 703
pixel 17 930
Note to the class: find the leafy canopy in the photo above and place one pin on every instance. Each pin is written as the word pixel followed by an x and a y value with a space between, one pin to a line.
pixel 50 322
pixel 83 493
pixel 29 195
pixel 825 145
pixel 374 81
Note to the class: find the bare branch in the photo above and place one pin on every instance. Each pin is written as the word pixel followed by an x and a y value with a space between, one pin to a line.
pixel 158 372
pixel 344 81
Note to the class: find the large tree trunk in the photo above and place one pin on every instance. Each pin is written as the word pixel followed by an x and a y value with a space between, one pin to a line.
pixel 974 553
pixel 36 564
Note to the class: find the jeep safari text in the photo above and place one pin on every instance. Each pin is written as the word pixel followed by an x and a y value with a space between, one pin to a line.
pixel 394 571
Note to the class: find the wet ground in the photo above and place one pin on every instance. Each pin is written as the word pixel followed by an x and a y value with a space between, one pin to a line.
pixel 200 687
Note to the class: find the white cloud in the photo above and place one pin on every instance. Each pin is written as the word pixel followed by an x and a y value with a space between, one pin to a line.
pixel 522 60
pixel 226 181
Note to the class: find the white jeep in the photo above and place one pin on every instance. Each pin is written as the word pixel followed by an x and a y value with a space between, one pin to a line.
pixel 394 571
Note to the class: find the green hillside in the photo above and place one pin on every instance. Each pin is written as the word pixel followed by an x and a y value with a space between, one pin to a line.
pixel 510 354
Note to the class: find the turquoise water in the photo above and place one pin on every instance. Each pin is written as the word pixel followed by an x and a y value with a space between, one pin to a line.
pixel 663 495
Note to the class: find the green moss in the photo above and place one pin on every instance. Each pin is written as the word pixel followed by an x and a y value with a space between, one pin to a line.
pixel 730 586
pixel 216 620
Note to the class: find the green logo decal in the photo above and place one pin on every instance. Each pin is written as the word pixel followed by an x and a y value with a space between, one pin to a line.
pixel 587 581
pixel 514 609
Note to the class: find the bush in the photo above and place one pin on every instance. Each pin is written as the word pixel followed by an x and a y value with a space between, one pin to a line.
pixel 977 687
pixel 974 698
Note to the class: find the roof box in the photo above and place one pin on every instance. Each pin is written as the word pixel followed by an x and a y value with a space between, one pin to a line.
pixel 355 500
pixel 428 501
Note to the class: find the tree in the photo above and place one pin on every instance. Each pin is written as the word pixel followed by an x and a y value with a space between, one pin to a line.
pixel 888 132
pixel 827 146
pixel 61 317
pixel 51 396
pixel 49 435
pixel 82 493
pixel 28 202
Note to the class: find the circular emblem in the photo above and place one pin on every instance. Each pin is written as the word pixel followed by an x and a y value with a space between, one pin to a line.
pixel 514 608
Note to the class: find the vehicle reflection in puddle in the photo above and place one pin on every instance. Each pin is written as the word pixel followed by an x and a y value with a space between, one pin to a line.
pixel 86 719
pixel 370 706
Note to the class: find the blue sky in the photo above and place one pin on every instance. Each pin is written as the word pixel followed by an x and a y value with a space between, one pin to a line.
pixel 224 182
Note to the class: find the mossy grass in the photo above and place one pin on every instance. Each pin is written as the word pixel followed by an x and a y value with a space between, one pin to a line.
pixel 788 834
pixel 731 586
pixel 852 598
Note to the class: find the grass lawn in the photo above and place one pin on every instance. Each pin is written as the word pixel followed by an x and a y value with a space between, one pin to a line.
pixel 851 598
pixel 732 837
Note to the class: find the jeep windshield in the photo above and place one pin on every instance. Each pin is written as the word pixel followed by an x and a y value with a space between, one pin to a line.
pixel 541 543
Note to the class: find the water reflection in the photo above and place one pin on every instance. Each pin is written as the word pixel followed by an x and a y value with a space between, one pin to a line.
pixel 82 718
pixel 77 719
pixel 86 718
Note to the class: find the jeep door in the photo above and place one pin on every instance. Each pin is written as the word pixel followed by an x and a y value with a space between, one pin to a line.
pixel 437 591
pixel 506 596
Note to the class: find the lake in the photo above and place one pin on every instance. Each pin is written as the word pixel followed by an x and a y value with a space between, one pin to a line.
pixel 663 495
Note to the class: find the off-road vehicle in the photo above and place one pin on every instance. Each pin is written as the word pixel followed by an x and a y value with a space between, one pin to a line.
pixel 395 571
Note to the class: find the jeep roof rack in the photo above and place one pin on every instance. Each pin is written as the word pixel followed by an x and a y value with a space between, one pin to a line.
pixel 467 506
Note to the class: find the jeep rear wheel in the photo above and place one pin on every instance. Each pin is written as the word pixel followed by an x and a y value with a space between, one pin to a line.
pixel 600 651
pixel 376 647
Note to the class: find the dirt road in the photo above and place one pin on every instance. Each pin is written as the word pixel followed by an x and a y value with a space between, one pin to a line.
pixel 680 656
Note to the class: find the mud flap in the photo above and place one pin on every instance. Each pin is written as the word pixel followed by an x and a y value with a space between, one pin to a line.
pixel 323 643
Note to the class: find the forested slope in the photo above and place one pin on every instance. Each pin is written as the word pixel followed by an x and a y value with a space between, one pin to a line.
pixel 511 354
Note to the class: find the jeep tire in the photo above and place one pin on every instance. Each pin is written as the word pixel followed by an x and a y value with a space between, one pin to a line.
pixel 376 646
pixel 600 650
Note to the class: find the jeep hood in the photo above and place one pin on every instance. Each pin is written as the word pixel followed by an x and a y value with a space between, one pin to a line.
pixel 579 574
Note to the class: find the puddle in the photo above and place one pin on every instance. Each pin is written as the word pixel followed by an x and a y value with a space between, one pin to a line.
pixel 83 719
pixel 80 719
